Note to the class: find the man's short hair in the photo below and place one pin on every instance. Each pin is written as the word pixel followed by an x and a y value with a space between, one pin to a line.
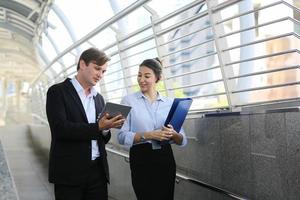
pixel 93 55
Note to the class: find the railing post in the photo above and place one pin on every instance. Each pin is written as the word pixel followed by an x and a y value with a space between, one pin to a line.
pixel 124 64
pixel 161 50
pixel 209 4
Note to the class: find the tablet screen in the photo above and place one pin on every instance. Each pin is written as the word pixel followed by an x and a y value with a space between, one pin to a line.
pixel 114 109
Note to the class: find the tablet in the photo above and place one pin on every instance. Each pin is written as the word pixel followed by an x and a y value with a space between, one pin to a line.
pixel 114 109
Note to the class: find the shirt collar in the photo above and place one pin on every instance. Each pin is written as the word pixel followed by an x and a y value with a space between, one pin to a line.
pixel 159 97
pixel 80 89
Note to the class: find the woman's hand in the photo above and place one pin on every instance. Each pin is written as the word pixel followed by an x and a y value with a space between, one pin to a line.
pixel 176 137
pixel 159 135
pixel 166 133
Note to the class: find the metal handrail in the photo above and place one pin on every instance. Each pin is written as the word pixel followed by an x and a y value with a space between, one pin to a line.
pixel 116 71
pixel 187 178
pixel 116 89
pixel 208 95
pixel 258 9
pixel 115 80
pixel 106 24
pixel 173 14
pixel 186 21
pixel 260 25
pixel 141 41
pixel 265 72
pixel 193 59
pixel 198 84
pixel 64 70
pixel 189 47
pixel 130 35
pixel 36 116
pixel 266 87
pixel 262 40
pixel 291 6
pixel 137 53
pixel 188 34
pixel 192 72
pixel 202 111
pixel 224 5
pixel 264 56
pixel 296 99
pixel 249 12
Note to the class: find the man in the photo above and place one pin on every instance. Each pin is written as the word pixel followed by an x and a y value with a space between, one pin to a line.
pixel 78 165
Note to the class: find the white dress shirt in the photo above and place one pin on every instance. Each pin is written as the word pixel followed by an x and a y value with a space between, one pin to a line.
pixel 90 110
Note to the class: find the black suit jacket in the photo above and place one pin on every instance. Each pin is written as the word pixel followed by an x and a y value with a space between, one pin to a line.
pixel 71 135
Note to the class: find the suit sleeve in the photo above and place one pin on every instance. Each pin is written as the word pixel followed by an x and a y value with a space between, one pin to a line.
pixel 60 126
pixel 106 137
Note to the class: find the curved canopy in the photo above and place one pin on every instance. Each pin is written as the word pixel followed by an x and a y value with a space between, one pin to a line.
pixel 20 22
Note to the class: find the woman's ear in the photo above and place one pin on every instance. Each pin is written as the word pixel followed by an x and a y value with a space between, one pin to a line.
pixel 158 79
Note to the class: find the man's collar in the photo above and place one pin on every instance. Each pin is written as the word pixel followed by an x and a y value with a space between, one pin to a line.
pixel 79 88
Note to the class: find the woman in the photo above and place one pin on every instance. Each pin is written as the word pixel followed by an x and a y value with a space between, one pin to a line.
pixel 152 164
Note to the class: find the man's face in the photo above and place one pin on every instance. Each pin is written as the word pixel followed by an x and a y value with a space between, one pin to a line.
pixel 92 73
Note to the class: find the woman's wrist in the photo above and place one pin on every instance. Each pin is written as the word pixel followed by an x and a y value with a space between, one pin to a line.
pixel 143 137
pixel 177 138
pixel 147 135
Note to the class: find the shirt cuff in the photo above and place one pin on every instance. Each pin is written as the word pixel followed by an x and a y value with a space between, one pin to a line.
pixel 105 132
pixel 129 139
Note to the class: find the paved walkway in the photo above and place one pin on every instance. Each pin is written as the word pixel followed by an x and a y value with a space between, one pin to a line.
pixel 27 157
pixel 27 163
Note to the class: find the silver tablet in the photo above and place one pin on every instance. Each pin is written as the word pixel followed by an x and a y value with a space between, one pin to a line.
pixel 114 109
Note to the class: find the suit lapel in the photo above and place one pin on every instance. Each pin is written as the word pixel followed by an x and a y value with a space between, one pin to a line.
pixel 98 106
pixel 72 91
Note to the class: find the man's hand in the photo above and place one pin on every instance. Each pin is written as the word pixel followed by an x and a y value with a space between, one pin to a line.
pixel 106 122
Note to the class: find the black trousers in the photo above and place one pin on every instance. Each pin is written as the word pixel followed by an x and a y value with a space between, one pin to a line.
pixel 153 172
pixel 93 188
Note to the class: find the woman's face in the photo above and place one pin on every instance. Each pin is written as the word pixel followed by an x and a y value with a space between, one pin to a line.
pixel 146 79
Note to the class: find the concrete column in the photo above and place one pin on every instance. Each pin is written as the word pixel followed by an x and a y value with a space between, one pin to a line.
pixel 4 93
pixel 18 93
pixel 3 101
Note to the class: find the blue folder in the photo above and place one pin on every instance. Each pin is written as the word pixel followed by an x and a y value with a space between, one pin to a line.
pixel 178 112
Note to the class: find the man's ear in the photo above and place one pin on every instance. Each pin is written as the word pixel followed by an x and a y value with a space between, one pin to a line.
pixel 81 64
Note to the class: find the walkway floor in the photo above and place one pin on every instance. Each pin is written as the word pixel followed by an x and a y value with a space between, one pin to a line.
pixel 28 166
pixel 27 158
